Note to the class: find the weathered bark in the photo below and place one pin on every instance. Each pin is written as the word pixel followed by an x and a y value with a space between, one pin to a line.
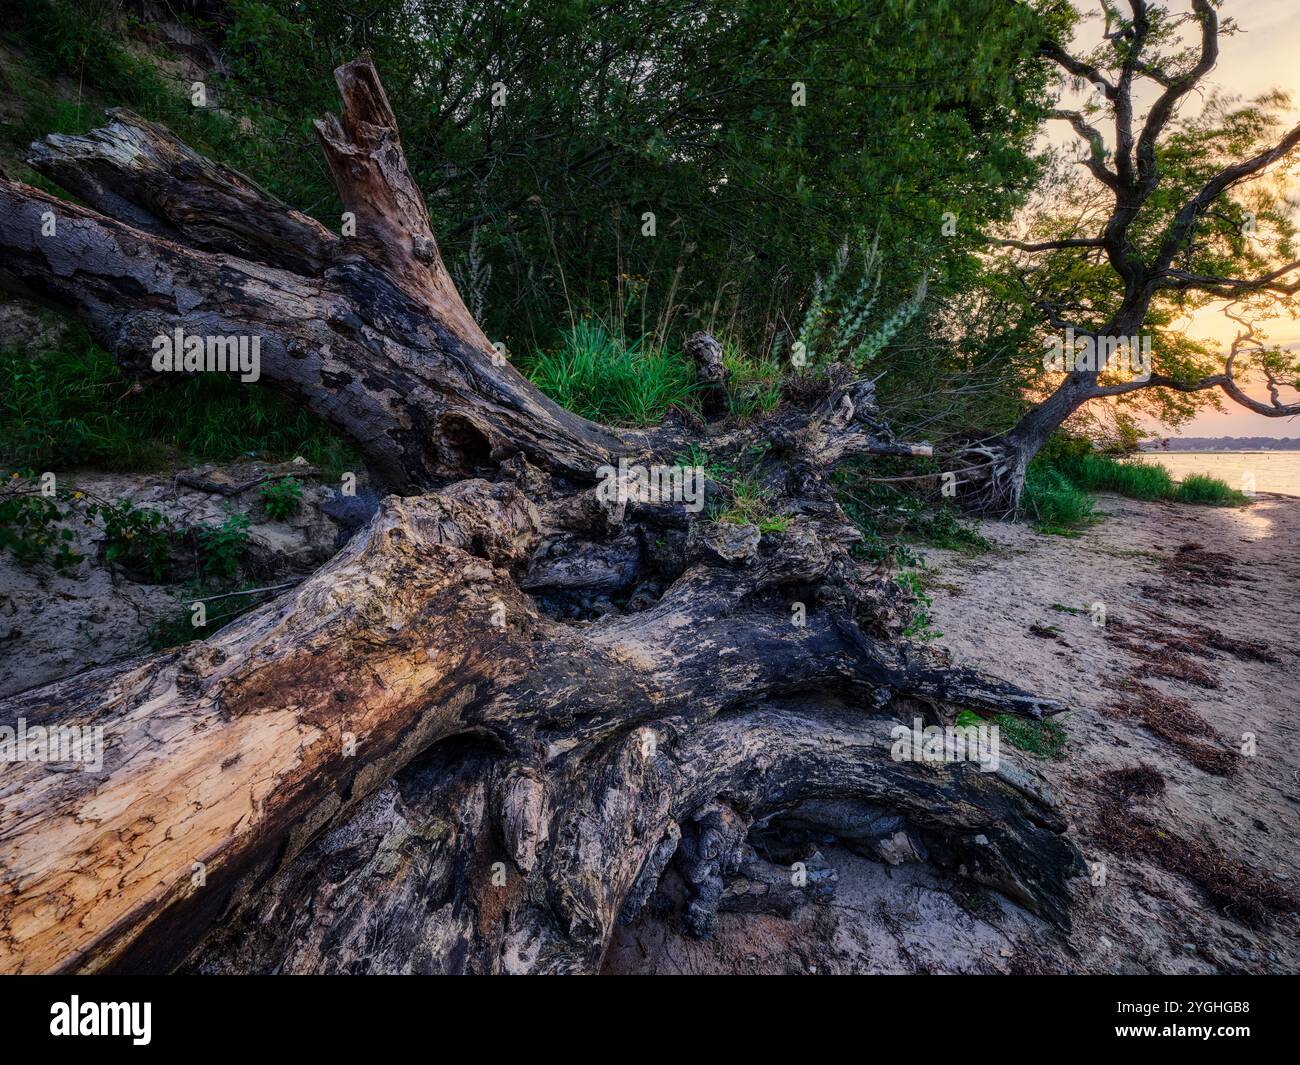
pixel 479 735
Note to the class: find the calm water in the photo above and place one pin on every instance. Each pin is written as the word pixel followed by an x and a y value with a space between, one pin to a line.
pixel 1274 471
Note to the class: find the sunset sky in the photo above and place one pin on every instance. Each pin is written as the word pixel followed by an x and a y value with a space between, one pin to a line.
pixel 1263 55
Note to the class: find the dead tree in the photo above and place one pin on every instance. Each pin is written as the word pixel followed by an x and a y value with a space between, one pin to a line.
pixel 476 738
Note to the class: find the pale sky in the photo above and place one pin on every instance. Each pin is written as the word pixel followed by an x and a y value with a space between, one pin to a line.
pixel 1264 54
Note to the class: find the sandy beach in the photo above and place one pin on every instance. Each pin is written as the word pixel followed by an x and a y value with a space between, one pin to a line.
pixel 1180 770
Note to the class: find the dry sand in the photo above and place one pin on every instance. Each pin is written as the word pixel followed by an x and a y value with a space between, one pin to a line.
pixel 1196 853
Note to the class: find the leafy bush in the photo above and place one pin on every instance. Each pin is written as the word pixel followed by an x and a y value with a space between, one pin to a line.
pixel 139 538
pixel 282 498
pixel 30 531
pixel 221 547
pixel 33 528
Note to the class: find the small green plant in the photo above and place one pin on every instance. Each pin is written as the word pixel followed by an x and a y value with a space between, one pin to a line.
pixel 922 626
pixel 837 322
pixel 282 498
pixel 752 504
pixel 33 527
pixel 30 529
pixel 1044 738
pixel 136 537
pixel 222 547
pixel 754 385
pixel 891 513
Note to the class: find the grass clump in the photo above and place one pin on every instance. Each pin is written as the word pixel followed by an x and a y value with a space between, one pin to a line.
pixel 1210 491
pixel 752 504
pixel 753 385
pixel 1054 503
pixel 72 407
pixel 1044 738
pixel 1074 460
pixel 603 376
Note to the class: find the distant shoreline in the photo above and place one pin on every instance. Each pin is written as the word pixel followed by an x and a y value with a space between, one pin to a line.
pixel 1217 451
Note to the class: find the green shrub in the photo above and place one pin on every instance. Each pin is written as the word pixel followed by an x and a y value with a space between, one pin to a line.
pixel 282 498
pixel 221 547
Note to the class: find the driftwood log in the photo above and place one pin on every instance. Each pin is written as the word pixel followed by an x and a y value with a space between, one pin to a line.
pixel 476 738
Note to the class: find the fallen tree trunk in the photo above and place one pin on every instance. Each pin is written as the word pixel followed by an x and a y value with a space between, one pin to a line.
pixel 477 737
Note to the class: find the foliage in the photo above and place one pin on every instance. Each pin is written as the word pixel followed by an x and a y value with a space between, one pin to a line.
pixel 921 626
pixel 136 537
pixel 891 514
pixel 30 528
pixel 222 547
pixel 34 528
pixel 752 504
pixel 178 627
pixel 282 498
pixel 1053 503
pixel 600 375
pixel 1076 459
pixel 71 406
pixel 837 324
pixel 1247 232
pixel 1202 488
pixel 911 110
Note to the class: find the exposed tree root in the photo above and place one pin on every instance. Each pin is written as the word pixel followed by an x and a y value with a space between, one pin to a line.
pixel 482 733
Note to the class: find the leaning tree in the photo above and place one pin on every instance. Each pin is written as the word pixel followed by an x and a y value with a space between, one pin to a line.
pixel 480 735
pixel 1177 228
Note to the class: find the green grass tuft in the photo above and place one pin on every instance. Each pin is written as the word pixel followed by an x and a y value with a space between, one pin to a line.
pixel 1045 738
pixel 1202 488
pixel 1091 471
pixel 1054 504
pixel 604 377
pixel 72 407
